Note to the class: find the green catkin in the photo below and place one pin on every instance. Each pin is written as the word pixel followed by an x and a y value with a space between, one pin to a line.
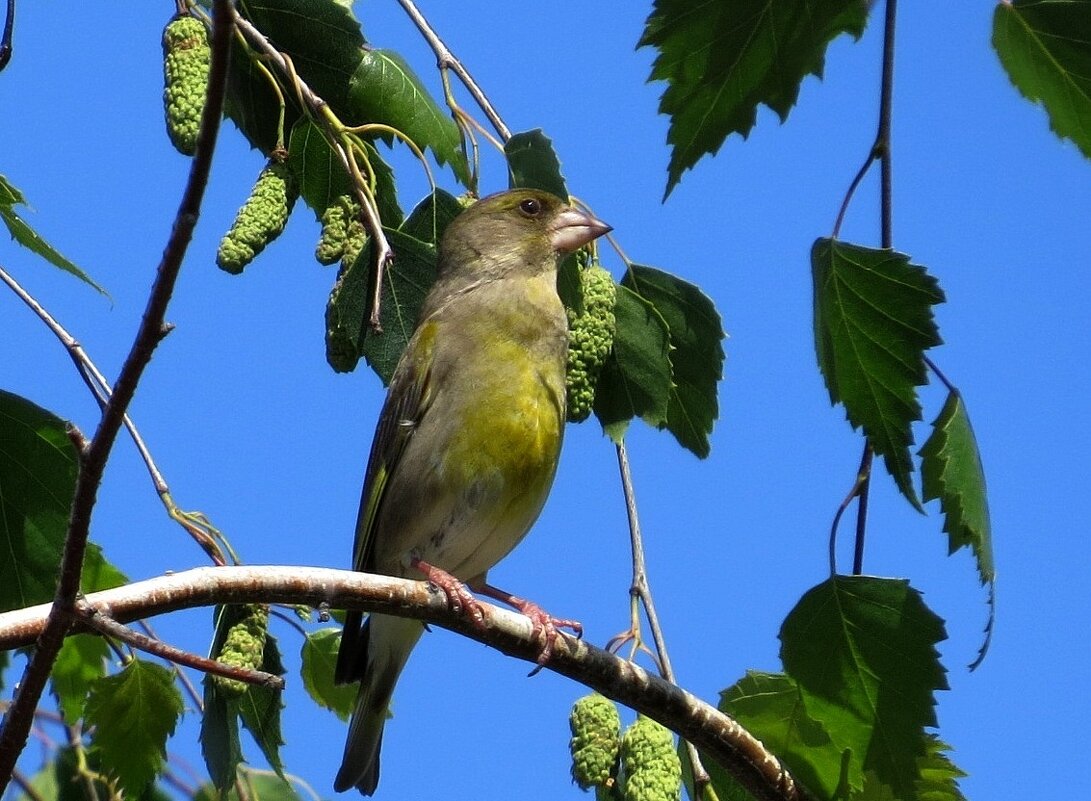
pixel 343 234
pixel 596 738
pixel 590 339
pixel 186 58
pixel 650 766
pixel 261 218
pixel 244 647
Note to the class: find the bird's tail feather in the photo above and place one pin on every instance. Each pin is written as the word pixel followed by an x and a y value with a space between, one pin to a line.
pixel 385 643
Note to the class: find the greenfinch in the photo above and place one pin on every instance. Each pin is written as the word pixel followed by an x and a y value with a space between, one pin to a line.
pixel 469 436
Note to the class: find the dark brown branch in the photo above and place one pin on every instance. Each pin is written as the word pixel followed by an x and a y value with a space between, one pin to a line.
pixel 99 619
pixel 719 737
pixel 20 717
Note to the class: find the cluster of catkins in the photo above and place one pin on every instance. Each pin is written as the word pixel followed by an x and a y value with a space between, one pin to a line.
pixel 186 55
pixel 244 646
pixel 590 339
pixel 640 764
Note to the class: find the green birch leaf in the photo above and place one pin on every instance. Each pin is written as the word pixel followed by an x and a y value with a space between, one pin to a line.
pixel 430 218
pixel 863 652
pixel 696 355
pixel 772 708
pixel 405 286
pixel 319 655
pixel 81 661
pixel 872 324
pixel 133 713
pixel 952 473
pixel 98 573
pixel 636 379
pixel 938 779
pixel 533 164
pixel 1045 46
pixel 220 743
pixel 259 708
pixel 385 90
pixel 939 775
pixel 37 482
pixel 21 232
pixel 323 39
pixel 721 59
pixel 322 179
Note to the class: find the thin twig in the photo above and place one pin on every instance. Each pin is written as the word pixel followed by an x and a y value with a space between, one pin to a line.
pixel 882 151
pixel 20 717
pixel 99 619
pixel 642 589
pixel 446 60
pixel 861 476
pixel 100 389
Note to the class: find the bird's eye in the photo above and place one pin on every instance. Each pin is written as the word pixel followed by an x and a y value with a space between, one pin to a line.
pixel 530 207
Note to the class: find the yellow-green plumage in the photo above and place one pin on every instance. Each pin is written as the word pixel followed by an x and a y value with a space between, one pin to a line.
pixel 468 439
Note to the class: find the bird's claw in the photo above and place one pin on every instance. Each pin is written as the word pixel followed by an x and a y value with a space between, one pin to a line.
pixel 459 599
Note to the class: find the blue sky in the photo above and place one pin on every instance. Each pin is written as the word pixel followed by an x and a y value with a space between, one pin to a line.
pixel 250 425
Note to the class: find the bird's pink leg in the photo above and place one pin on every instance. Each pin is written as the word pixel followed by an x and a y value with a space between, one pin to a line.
pixel 458 597
pixel 545 626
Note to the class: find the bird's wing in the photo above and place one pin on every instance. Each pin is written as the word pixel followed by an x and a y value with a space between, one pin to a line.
pixel 406 402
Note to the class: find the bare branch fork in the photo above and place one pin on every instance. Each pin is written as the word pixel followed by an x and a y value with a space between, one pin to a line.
pixel 717 735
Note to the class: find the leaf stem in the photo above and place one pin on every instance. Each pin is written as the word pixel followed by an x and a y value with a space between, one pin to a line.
pixel 93 460
pixel 200 529
pixel 641 589
pixel 99 619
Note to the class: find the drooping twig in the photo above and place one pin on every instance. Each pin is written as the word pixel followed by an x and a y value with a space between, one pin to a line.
pixel 718 736
pixel 881 152
pixel 320 112
pixel 642 590
pixel 93 460
pixel 99 619
pixel 197 527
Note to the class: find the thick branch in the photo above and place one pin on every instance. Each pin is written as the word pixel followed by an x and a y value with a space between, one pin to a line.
pixel 718 736
pixel 93 459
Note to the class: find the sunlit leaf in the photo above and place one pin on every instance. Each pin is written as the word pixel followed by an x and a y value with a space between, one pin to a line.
pixel 696 354
pixel 863 652
pixel 21 232
pixel 319 655
pixel 872 324
pixel 722 58
pixel 1045 46
pixel 636 379
pixel 133 713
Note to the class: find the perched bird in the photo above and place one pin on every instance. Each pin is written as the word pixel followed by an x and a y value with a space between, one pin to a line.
pixel 469 436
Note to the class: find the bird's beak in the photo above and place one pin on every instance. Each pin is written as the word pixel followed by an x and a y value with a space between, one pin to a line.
pixel 573 228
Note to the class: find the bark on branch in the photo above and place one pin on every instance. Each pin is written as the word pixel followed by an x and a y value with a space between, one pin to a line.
pixel 717 736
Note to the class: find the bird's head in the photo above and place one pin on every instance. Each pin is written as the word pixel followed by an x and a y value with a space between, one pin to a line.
pixel 519 230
